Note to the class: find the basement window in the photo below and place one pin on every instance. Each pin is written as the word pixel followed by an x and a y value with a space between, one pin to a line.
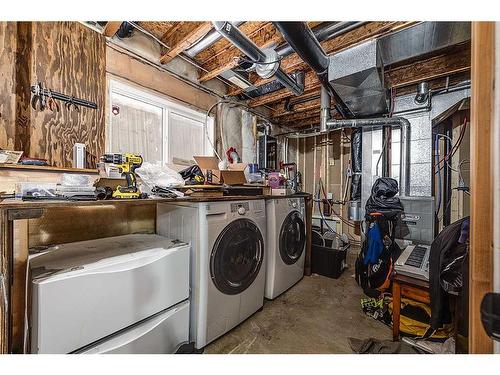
pixel 147 123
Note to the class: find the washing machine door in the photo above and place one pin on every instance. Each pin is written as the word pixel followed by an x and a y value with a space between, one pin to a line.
pixel 292 238
pixel 237 256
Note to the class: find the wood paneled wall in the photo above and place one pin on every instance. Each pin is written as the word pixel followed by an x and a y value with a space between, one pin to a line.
pixel 66 57
pixel 7 88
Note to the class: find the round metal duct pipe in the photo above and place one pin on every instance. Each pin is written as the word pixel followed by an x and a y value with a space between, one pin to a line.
pixel 259 56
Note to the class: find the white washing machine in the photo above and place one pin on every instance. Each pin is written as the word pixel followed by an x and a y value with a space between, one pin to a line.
pixel 286 240
pixel 227 261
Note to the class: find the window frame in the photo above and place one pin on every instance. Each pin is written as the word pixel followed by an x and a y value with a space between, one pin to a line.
pixel 167 106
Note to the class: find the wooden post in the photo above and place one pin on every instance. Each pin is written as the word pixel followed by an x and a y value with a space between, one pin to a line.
pixel 18 298
pixel 481 235
pixel 309 211
pixel 396 309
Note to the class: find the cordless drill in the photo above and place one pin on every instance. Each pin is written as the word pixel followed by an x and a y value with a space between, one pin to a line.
pixel 127 164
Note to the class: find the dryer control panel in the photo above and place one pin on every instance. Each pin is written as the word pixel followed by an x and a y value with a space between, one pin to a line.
pixel 296 203
pixel 240 207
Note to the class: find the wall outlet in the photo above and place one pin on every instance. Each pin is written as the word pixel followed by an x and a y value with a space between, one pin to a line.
pixel 331 162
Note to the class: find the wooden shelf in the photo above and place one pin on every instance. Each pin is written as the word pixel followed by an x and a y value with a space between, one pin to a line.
pixel 11 203
pixel 39 168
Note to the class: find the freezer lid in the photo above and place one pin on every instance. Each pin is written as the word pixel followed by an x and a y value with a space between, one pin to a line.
pixel 101 254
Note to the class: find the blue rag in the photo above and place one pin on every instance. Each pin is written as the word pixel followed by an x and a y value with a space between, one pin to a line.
pixel 375 245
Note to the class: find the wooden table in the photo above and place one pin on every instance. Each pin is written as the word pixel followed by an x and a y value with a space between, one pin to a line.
pixel 409 287
pixel 38 224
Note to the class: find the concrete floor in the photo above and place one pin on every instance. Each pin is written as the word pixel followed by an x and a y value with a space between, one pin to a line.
pixel 317 315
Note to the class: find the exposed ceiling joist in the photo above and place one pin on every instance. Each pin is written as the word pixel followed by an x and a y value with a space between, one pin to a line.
pixel 300 116
pixel 182 36
pixel 158 28
pixel 363 33
pixel 311 83
pixel 111 28
pixel 305 122
pixel 434 67
pixel 281 111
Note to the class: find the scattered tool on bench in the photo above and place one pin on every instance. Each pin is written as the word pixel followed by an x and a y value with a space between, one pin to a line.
pixel 127 164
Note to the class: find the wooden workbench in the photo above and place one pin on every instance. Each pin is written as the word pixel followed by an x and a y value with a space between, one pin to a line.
pixel 26 225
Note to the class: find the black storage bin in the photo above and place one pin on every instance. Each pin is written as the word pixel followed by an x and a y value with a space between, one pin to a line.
pixel 328 261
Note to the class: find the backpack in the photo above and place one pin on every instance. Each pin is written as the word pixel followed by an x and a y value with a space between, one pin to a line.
pixel 375 278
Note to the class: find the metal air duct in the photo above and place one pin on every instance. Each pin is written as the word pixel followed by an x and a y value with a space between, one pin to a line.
pixel 205 42
pixel 267 61
pixel 300 37
pixel 323 31
pixel 397 122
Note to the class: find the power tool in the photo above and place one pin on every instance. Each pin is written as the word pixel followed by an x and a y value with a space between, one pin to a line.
pixel 127 164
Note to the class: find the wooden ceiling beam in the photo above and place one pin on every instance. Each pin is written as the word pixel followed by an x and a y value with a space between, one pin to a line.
pixel 436 83
pixel 182 36
pixel 297 108
pixel 111 28
pixel 300 116
pixel 311 83
pixel 303 123
pixel 363 33
pixel 265 37
pixel 158 28
pixel 434 67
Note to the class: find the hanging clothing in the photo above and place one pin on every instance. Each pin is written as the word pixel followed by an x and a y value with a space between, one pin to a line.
pixel 444 249
pixel 375 245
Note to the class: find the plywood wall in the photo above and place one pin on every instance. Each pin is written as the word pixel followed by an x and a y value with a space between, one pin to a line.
pixel 68 58
pixel 7 87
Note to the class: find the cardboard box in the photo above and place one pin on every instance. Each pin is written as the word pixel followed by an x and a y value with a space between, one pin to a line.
pixel 234 175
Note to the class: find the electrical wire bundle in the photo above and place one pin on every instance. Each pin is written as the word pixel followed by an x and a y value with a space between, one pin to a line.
pixel 454 148
pixel 445 162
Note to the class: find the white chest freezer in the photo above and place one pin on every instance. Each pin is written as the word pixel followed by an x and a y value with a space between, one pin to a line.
pixel 85 291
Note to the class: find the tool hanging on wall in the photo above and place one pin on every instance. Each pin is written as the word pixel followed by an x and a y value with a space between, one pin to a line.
pixel 39 100
pixel 52 103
